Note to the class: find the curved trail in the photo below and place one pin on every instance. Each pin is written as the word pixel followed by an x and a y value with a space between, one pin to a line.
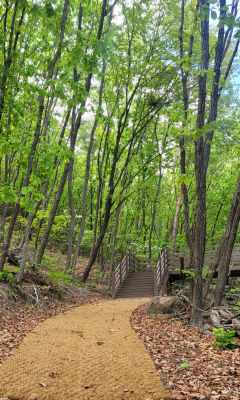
pixel 90 352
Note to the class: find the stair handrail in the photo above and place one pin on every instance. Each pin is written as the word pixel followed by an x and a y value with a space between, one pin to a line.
pixel 120 273
pixel 162 269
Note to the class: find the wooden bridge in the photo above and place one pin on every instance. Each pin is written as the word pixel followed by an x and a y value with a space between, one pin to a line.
pixel 137 277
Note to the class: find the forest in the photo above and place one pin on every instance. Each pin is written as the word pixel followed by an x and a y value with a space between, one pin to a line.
pixel 119 129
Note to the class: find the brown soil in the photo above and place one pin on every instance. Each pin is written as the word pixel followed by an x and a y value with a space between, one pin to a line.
pixel 90 352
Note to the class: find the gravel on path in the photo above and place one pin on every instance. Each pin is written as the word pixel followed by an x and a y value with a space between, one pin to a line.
pixel 90 352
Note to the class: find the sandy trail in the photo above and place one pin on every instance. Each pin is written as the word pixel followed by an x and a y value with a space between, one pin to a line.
pixel 90 352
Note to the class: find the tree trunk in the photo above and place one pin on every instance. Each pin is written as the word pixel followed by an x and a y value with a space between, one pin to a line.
pixel 223 267
pixel 185 98
pixel 51 217
pixel 88 164
pixel 73 136
pixel 100 186
pixel 111 183
pixel 216 220
pixel 176 218
pixel 25 247
pixel 114 240
pixel 199 227
pixel 72 215
pixel 36 138
pixel 156 195
pixel 224 251
pixel 7 60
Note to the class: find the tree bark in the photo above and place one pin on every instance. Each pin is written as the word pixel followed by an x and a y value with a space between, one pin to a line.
pixel 114 240
pixel 176 218
pixel 25 248
pixel 8 59
pixel 199 227
pixel 224 251
pixel 88 164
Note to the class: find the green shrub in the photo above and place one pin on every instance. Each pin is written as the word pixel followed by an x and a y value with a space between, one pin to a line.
pixel 58 277
pixel 6 275
pixel 189 273
pixel 49 260
pixel 11 294
pixel 224 339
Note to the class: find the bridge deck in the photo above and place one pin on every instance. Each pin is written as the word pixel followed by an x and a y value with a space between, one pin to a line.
pixel 139 277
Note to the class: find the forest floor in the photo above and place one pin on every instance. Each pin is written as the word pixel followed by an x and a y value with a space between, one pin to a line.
pixel 188 364
pixel 90 352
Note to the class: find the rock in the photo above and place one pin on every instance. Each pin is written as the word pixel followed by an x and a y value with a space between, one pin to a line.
pixel 206 329
pixel 43 384
pixel 166 305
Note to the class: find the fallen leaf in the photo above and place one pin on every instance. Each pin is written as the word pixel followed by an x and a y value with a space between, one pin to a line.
pixel 189 365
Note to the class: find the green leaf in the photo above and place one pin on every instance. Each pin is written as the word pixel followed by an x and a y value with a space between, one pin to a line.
pixel 237 34
pixel 49 9
pixel 24 190
pixel 202 72
pixel 7 194
pixel 184 365
pixel 204 13
pixel 71 103
pixel 213 14
pixel 36 9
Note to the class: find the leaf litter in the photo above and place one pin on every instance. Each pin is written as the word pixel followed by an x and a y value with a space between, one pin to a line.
pixel 188 364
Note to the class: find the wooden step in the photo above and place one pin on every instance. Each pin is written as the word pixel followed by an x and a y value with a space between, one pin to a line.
pixel 141 290
pixel 132 295
pixel 130 289
pixel 137 284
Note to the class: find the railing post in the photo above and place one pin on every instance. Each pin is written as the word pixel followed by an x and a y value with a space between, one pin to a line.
pixel 128 261
pixel 166 265
pixel 113 285
pixel 181 264
pixel 133 265
pixel 136 265
pixel 120 273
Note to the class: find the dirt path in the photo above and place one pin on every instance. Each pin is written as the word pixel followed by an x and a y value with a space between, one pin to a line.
pixel 90 352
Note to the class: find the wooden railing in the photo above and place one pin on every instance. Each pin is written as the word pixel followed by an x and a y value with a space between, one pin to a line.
pixel 129 263
pixel 140 264
pixel 161 273
pixel 180 258
pixel 120 273
pixel 171 262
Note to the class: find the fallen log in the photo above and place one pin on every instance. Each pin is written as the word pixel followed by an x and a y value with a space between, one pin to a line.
pixel 233 327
